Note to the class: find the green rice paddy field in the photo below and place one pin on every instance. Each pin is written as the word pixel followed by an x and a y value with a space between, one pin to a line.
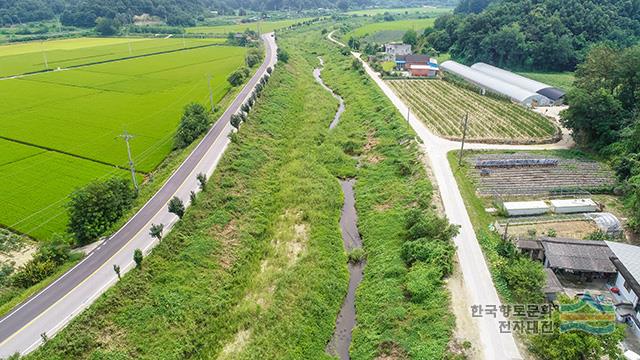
pixel 262 26
pixel 411 10
pixel 59 129
pixel 30 57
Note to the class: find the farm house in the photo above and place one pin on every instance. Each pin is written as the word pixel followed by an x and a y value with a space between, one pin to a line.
pixel 572 206
pixel 585 257
pixel 555 95
pixel 525 208
pixel 497 86
pixel 404 62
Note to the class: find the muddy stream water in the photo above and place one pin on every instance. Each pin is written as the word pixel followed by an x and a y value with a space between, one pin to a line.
pixel 346 321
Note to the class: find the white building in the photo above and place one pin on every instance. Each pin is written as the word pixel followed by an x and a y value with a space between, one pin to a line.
pixel 573 206
pixel 555 95
pixel 525 208
pixel 494 85
pixel 397 49
pixel 627 262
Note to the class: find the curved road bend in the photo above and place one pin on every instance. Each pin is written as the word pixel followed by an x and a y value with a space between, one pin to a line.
pixel 477 278
pixel 52 308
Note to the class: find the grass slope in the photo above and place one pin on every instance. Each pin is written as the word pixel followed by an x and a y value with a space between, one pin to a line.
pixel 562 80
pixel 30 56
pixel 390 30
pixel 260 255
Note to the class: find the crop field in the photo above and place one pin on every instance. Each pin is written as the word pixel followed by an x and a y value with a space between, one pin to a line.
pixel 69 122
pixel 35 184
pixel 262 26
pixel 16 59
pixel 389 30
pixel 442 105
pixel 562 80
pixel 568 175
pixel 412 10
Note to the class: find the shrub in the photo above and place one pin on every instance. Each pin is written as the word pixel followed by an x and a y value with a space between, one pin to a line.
pixel 525 279
pixel 282 55
pixel 235 121
pixel 356 255
pixel 254 56
pixel 176 206
pixel 202 181
pixel 422 281
pixel 435 253
pixel 137 257
pixel 194 122
pixel 96 207
pixel 156 231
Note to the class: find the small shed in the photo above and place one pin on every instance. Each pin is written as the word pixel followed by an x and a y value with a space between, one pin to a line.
pixel 423 70
pixel 578 256
pixel 524 208
pixel 572 206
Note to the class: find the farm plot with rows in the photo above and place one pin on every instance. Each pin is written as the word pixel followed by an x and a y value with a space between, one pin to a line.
pixel 16 59
pixel 60 129
pixel 442 106
pixel 567 175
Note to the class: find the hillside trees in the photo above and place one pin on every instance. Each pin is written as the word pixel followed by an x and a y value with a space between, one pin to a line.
pixel 542 35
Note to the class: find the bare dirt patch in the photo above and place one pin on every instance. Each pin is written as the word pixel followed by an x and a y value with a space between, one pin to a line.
pixel 229 243
pixel 568 229
pixel 236 346
pixel 466 329
pixel 19 257
pixel 391 351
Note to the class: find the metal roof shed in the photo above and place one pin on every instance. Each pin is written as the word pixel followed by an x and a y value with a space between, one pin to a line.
pixel 573 206
pixel 577 255
pixel 523 208
pixel 494 85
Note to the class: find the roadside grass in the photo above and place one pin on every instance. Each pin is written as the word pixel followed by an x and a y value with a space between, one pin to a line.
pixel 11 297
pixel 562 80
pixel 30 57
pixel 391 181
pixel 258 26
pixel 204 284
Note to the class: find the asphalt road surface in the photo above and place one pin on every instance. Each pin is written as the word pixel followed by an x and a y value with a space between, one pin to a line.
pixel 52 308
pixel 477 278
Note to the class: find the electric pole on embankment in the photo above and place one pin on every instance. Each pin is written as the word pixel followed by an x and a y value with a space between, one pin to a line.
pixel 464 136
pixel 126 136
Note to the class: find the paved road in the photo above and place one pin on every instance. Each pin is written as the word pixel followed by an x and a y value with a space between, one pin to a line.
pixel 477 278
pixel 51 309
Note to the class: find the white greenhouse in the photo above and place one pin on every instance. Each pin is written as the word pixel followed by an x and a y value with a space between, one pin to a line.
pixel 491 84
pixel 525 208
pixel 572 206
pixel 555 95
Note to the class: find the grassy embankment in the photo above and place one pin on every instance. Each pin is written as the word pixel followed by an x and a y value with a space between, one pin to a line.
pixel 385 31
pixel 256 267
pixel 261 26
pixel 391 182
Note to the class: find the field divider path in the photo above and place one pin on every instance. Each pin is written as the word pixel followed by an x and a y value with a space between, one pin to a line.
pixel 478 282
pixel 51 309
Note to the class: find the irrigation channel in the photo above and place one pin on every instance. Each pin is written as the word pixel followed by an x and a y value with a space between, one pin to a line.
pixel 341 339
pixel 316 74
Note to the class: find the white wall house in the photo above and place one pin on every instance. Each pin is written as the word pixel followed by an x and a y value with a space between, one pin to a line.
pixel 627 262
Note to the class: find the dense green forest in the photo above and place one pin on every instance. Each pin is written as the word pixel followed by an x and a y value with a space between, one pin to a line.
pixel 604 115
pixel 83 13
pixel 534 34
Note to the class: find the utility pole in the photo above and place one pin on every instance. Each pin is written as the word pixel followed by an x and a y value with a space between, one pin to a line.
pixel 126 136
pixel 464 136
pixel 211 94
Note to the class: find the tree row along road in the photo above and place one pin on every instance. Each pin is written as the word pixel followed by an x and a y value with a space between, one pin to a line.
pixel 478 283
pixel 52 308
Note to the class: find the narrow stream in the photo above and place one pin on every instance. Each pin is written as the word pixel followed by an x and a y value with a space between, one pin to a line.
pixel 316 74
pixel 341 339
